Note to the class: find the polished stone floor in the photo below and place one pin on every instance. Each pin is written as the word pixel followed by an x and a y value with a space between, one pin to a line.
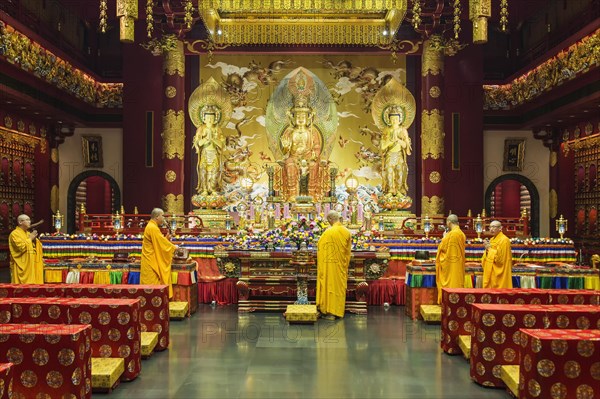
pixel 219 354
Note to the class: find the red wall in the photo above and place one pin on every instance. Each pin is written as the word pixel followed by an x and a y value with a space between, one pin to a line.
pixel 463 89
pixel 143 92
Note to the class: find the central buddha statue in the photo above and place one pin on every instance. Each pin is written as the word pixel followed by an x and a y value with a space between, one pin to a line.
pixel 301 122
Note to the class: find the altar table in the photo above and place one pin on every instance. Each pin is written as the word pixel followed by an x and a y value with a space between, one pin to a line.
pixel 6 380
pixel 496 341
pixel 115 324
pixel 559 364
pixel 456 306
pixel 154 300
pixel 50 361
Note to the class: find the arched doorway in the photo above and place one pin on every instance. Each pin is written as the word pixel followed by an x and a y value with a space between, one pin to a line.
pixel 515 185
pixel 106 195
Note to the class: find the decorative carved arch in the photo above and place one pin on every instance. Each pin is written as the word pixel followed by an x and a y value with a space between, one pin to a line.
pixel 534 218
pixel 71 203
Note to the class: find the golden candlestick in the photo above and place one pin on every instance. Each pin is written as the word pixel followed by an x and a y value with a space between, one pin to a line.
pixel 561 226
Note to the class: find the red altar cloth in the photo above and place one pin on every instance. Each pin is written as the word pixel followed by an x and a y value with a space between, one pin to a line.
pixel 384 290
pixel 154 300
pixel 6 380
pixel 115 324
pixel 574 297
pixel 559 364
pixel 456 309
pixel 224 292
pixel 495 340
pixel 415 297
pixel 50 361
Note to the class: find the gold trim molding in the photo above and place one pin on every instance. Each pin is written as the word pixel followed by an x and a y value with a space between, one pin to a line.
pixel 325 22
pixel 13 137
pixel 433 56
pixel 432 134
pixel 576 60
pixel 581 144
pixel 432 206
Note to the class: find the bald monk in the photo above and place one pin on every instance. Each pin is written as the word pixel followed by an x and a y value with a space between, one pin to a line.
pixel 497 259
pixel 26 265
pixel 333 258
pixel 157 253
pixel 450 258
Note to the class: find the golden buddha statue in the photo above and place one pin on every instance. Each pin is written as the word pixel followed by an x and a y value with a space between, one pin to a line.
pixel 208 143
pixel 301 121
pixel 301 146
pixel 395 147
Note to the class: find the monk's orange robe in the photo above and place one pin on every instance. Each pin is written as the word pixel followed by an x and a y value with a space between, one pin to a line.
pixel 450 261
pixel 497 263
pixel 333 258
pixel 157 254
pixel 26 264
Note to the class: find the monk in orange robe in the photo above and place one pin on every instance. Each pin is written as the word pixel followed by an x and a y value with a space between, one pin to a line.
pixel 157 253
pixel 450 258
pixel 333 258
pixel 497 259
pixel 26 265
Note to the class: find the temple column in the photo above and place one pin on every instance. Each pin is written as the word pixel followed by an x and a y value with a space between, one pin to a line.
pixel 173 127
pixel 432 127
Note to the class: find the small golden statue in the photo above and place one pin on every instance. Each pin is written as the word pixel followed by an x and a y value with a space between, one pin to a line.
pixel 209 108
pixel 393 111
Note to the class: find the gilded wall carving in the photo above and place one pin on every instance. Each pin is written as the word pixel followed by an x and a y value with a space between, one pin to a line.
pixel 432 134
pixel 174 61
pixel 432 206
pixel 28 55
pixel 576 60
pixel 173 134
pixel 433 57
pixel 173 204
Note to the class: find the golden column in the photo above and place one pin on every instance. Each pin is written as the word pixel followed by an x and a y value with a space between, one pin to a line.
pixel 173 126
pixel 432 127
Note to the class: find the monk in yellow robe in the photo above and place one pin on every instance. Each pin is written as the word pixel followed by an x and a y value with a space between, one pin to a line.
pixel 333 258
pixel 26 265
pixel 450 258
pixel 497 259
pixel 157 253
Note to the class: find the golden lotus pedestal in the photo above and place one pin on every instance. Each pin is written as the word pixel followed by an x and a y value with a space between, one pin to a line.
pixel 212 218
pixel 300 209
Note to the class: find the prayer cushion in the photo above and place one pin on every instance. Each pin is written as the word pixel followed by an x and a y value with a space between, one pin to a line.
pixel 178 310
pixel 464 343
pixel 431 313
pixel 149 341
pixel 106 372
pixel 510 376
pixel 301 313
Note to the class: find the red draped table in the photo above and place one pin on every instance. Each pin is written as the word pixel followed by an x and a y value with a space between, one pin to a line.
pixel 559 364
pixel 456 309
pixel 154 300
pixel 495 340
pixel 154 304
pixel 115 323
pixel 49 361
pixel 6 380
